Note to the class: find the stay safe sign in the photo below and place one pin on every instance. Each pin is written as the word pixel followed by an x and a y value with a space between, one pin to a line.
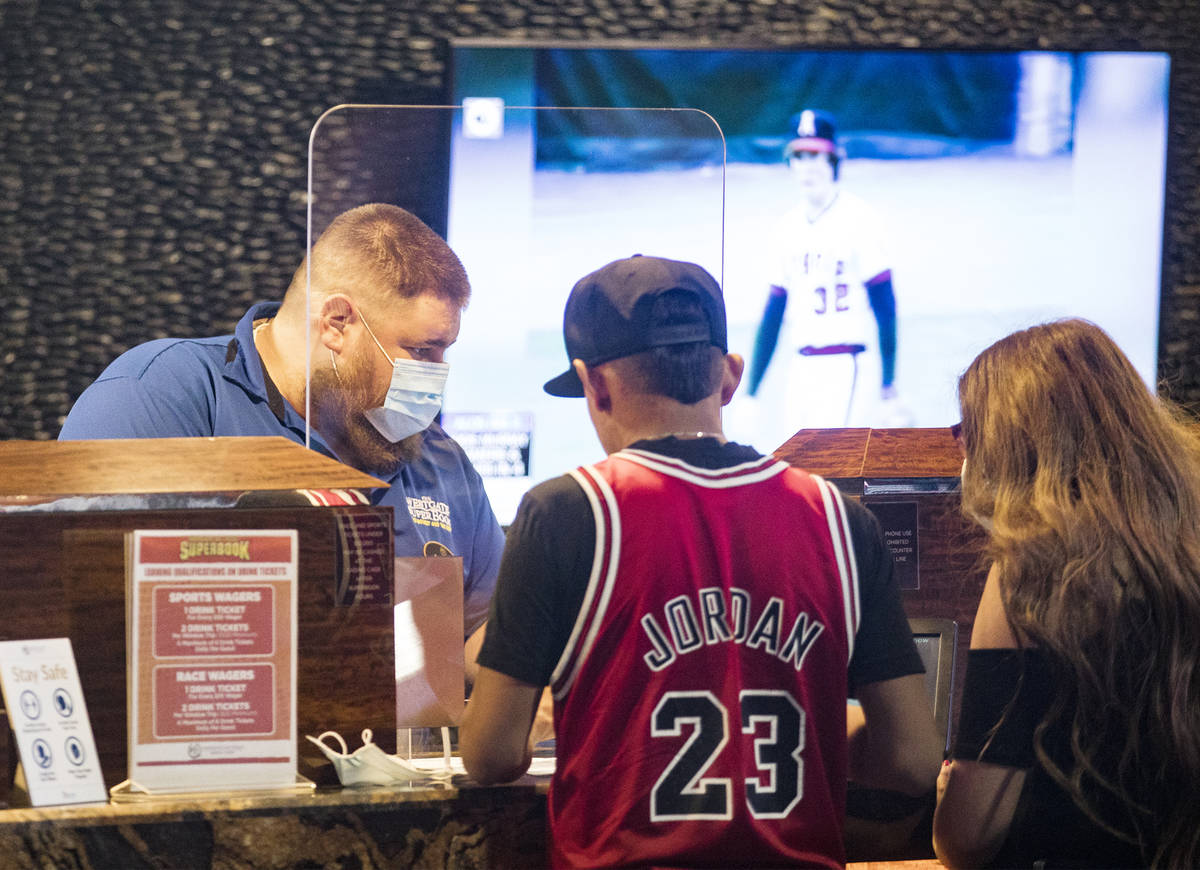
pixel 45 707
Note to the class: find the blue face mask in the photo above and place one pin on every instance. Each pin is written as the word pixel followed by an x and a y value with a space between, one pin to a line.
pixel 414 396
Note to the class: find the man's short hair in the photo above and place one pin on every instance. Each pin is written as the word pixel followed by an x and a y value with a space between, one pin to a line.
pixel 381 247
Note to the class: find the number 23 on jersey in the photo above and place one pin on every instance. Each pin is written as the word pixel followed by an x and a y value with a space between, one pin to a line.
pixel 773 787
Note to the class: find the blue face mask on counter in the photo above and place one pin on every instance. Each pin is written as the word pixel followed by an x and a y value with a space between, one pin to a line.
pixel 414 396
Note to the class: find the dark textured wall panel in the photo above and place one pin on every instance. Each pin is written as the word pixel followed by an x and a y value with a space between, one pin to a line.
pixel 153 152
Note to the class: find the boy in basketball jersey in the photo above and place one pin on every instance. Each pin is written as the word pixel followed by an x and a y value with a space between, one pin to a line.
pixel 700 611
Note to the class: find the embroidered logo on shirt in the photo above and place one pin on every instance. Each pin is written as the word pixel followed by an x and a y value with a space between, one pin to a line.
pixel 427 512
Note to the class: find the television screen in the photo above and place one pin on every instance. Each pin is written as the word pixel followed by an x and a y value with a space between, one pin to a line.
pixel 878 218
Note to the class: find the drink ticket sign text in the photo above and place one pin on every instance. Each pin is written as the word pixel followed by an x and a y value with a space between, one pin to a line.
pixel 45 707
pixel 212 682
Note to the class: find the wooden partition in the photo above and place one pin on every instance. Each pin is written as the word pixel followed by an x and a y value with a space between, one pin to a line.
pixel 65 509
pixel 910 479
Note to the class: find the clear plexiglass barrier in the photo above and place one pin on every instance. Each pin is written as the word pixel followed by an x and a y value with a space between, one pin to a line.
pixel 531 200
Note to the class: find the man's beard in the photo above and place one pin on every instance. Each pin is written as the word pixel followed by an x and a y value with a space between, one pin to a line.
pixel 338 402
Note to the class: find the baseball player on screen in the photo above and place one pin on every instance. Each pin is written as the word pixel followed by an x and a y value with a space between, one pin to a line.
pixel 831 285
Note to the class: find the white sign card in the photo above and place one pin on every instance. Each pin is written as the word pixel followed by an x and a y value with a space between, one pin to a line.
pixel 212 659
pixel 45 707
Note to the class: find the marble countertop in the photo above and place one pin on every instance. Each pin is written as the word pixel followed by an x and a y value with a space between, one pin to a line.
pixel 163 808
pixel 460 824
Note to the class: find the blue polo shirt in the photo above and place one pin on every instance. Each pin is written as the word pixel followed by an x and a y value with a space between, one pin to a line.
pixel 184 387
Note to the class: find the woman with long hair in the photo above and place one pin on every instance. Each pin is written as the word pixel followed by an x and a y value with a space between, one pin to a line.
pixel 1079 735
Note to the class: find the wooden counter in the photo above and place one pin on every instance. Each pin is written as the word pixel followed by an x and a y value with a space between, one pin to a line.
pixel 65 577
pixel 66 508
pixel 920 467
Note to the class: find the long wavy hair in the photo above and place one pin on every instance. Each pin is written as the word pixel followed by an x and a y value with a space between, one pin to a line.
pixel 1089 488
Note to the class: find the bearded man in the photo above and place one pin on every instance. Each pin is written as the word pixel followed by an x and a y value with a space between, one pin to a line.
pixel 359 345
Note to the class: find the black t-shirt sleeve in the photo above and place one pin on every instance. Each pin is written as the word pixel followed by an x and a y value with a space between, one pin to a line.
pixel 1007 693
pixel 883 648
pixel 547 564
pixel 542 581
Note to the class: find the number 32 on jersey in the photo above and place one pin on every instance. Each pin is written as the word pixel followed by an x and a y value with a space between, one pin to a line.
pixel 684 792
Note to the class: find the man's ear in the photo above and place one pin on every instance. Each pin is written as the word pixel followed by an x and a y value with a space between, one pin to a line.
pixel 337 312
pixel 595 385
pixel 735 364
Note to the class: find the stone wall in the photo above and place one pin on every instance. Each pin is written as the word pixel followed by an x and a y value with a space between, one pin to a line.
pixel 153 152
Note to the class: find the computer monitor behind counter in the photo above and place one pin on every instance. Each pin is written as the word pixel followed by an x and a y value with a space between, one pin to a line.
pixel 936 641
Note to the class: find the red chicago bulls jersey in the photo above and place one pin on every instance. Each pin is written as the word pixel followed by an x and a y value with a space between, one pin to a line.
pixel 701 698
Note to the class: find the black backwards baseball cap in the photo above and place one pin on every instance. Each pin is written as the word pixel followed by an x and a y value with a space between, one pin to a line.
pixel 608 314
